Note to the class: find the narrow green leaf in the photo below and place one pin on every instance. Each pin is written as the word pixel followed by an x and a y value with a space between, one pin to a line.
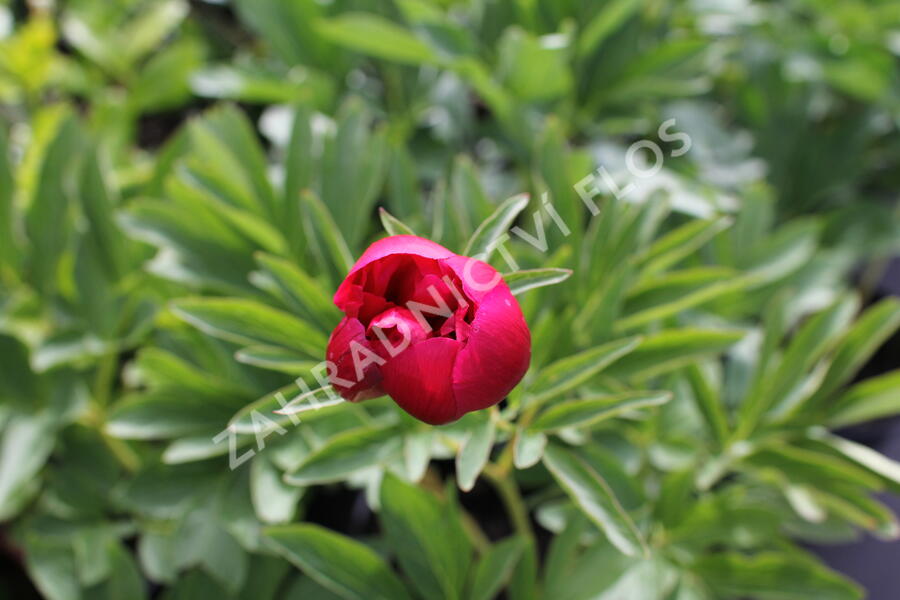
pixel 522 281
pixel 656 303
pixel 26 444
pixel 876 325
pixel 593 495
pixel 679 244
pixel 859 509
pixel 166 413
pixel 814 338
pixel 274 359
pixel 528 448
pixel 392 224
pixel 427 538
pixel 812 466
pixel 352 170
pixel 709 402
pixel 608 19
pixel 486 238
pixel 146 31
pixel 7 228
pixel 302 291
pixel 274 500
pixel 873 398
pixel 250 322
pixel 316 401
pixel 672 349
pixel 45 221
pixel 590 411
pixel 773 576
pixel 495 568
pixel 474 453
pixel 347 453
pixel 325 238
pixel 299 166
pixel 861 455
pixel 341 564
pixel 377 37
pixel 98 205
pixel 568 373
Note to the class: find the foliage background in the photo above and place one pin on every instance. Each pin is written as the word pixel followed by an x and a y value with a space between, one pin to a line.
pixel 183 184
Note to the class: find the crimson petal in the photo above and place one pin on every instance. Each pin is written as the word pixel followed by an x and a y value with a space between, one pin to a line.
pixel 419 380
pixel 496 354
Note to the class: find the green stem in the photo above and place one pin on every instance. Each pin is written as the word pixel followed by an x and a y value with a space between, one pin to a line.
pixel 512 501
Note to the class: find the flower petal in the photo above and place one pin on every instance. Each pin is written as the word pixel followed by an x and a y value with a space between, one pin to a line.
pixel 400 244
pixel 478 278
pixel 343 375
pixel 419 380
pixel 496 355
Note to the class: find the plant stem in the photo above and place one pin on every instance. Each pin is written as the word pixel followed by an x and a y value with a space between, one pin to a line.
pixel 512 501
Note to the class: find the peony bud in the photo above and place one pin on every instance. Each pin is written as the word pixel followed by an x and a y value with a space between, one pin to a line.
pixel 439 333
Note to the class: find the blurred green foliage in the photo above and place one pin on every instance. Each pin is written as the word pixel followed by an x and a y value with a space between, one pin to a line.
pixel 184 184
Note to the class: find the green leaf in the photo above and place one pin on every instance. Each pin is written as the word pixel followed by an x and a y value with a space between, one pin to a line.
pixel 352 172
pixel 200 447
pixel 126 580
pixel 7 227
pixel 590 411
pixel 474 453
pixel 859 509
pixel 709 402
pixel 428 539
pixel 495 568
pixel 593 496
pixel 288 27
pixel 347 453
pixel 167 413
pixel 98 205
pixel 274 359
pixel 147 30
pixel 610 17
pixel 679 244
pixel 337 562
pixel 274 500
pixel 861 455
pixel 326 240
pixel 568 373
pixel 676 292
pixel 773 576
pixel 814 338
pixel 392 224
pixel 522 281
pixel 533 70
pixel 52 568
pixel 486 238
pixel 783 253
pixel 302 291
pixel 377 37
pixel 26 444
pixel 528 448
pixel 812 466
pixel 299 165
pixel 873 398
pixel 670 349
pixel 249 322
pixel 45 221
pixel 313 404
pixel 876 325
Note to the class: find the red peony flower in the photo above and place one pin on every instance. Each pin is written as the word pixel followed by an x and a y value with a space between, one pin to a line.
pixel 439 333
